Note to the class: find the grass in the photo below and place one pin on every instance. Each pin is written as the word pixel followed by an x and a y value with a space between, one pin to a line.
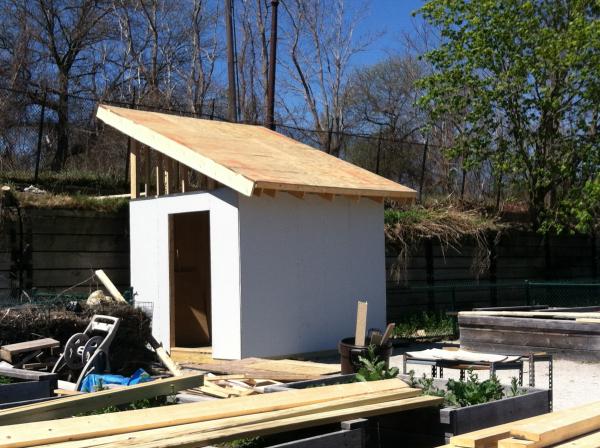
pixel 72 202
pixel 68 181
pixel 426 325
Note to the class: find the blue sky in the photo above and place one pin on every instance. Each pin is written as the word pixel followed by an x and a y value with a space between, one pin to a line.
pixel 391 16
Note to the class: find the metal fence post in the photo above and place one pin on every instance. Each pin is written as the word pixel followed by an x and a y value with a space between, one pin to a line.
pixel 527 293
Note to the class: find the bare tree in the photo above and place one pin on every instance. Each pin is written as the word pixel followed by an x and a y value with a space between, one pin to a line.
pixel 321 42
pixel 64 34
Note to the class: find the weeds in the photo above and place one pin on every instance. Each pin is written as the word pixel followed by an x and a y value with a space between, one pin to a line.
pixel 426 325
pixel 372 368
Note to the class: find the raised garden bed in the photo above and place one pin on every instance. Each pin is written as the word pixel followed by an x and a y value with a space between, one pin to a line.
pixel 431 427
pixel 25 386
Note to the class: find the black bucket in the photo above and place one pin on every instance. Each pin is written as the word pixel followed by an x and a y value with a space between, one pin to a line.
pixel 349 354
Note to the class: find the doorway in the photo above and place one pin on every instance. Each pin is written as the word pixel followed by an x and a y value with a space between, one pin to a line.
pixel 189 260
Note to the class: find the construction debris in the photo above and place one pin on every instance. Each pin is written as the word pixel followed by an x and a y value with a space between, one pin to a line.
pixel 577 427
pixel 77 403
pixel 280 370
pixel 198 424
pixel 28 352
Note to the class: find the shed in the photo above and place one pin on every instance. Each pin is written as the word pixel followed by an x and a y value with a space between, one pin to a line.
pixel 248 241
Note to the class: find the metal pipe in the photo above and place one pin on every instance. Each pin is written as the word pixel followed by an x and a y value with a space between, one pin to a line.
pixel 270 118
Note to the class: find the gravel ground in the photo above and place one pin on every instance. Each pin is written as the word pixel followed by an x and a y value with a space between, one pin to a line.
pixel 575 381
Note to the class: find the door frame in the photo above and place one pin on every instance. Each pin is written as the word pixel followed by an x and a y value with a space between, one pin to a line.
pixel 171 255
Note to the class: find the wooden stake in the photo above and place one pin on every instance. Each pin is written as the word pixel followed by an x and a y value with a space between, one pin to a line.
pixel 388 333
pixel 110 286
pixel 361 323
pixel 184 176
pixel 160 175
pixel 147 171
pixel 134 168
pixel 168 175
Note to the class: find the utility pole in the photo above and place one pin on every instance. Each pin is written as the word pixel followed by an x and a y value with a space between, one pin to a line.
pixel 270 118
pixel 232 104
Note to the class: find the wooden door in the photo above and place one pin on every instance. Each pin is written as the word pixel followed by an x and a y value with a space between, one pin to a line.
pixel 190 279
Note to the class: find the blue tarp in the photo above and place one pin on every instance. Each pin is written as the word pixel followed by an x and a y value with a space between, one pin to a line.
pixel 94 381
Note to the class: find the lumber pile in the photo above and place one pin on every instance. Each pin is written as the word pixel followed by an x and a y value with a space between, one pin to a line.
pixel 227 386
pixel 577 427
pixel 284 370
pixel 210 422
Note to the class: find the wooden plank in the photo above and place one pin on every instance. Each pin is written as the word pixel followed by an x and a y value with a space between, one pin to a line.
pixel 215 432
pixel 588 441
pixel 112 289
pixel 511 442
pixel 573 423
pixel 147 171
pixel 165 358
pixel 184 176
pixel 361 323
pixel 76 404
pixel 160 175
pixel 388 333
pixel 588 321
pixel 543 314
pixel 78 428
pixel 134 169
pixel 304 367
pixel 266 159
pixel 246 366
pixel 168 167
pixel 8 351
pixel 29 375
pixel 485 437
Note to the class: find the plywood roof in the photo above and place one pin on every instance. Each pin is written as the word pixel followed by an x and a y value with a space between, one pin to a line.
pixel 246 158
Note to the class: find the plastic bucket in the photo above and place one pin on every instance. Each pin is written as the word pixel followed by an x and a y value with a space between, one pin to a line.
pixel 349 354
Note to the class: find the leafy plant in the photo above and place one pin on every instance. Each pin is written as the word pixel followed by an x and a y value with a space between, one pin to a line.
pixel 472 391
pixel 373 368
pixel 248 442
pixel 6 380
pixel 514 387
pixel 464 393
pixel 429 388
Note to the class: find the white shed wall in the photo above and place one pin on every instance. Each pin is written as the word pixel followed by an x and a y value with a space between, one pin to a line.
pixel 304 265
pixel 149 233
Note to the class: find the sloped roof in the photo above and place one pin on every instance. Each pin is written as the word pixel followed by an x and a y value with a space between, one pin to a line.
pixel 245 157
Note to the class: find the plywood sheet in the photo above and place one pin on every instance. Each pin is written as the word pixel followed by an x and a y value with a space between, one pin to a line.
pixel 246 158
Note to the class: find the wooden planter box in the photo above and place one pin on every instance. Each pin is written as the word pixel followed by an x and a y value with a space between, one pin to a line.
pixel 434 427
pixel 431 427
pixel 29 387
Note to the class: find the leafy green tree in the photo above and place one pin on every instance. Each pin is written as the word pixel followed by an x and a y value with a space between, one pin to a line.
pixel 522 79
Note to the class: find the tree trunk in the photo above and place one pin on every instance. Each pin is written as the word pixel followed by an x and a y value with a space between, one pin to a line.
pixel 62 128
